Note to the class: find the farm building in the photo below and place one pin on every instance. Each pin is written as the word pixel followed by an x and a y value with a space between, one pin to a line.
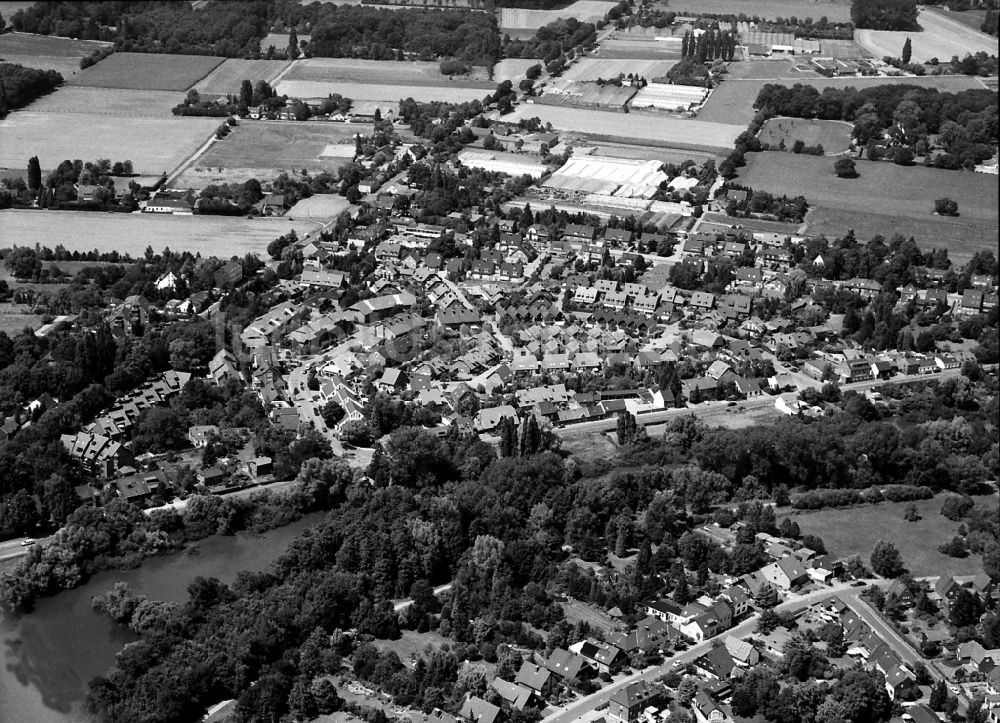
pixel 607 175
pixel 513 164
pixel 664 96
pixel 592 94
pixel 776 43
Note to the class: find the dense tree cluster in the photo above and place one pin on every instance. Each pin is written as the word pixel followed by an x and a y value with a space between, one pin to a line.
pixel 19 86
pixel 964 124
pixel 885 14
pixel 551 41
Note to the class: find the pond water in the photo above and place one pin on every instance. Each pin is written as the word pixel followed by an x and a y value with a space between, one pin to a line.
pixel 51 653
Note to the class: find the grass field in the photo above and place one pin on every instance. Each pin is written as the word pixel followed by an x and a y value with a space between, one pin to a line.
pixel 411 644
pixel 638 50
pixel 942 37
pixel 834 10
pixel 383 72
pixel 732 101
pixel 855 531
pixel 594 68
pixel 678 133
pixel 586 11
pixel 322 206
pixel 279 146
pixel 45 52
pixel 834 136
pixel 645 153
pixel 108 101
pixel 381 91
pixel 154 145
pixel 228 76
pixel 513 69
pixel 596 618
pixel 131 233
pixel 884 199
pixel 970 18
pixel 147 71
pixel 13 324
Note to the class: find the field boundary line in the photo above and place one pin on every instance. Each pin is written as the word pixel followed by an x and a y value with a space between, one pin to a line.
pixel 210 71
pixel 177 172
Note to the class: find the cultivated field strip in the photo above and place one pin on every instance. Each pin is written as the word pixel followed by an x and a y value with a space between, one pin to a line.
pixel 147 71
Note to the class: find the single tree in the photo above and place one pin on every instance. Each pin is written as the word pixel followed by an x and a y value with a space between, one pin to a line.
pixel 845 168
pixel 886 560
pixel 293 45
pixel 34 174
pixel 907 52
pixel 946 207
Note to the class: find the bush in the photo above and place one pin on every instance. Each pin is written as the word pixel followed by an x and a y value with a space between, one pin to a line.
pixel 955 508
pixel 946 207
pixel 845 168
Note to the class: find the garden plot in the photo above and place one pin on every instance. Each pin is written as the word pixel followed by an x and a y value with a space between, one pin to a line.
pixel 147 71
pixel 107 102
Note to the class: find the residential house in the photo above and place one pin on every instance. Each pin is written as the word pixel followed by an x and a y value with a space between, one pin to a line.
pixel 199 434
pixel 742 652
pixel 487 420
pixel 947 589
pixel 564 664
pixel 516 696
pixel 629 702
pixel 603 657
pixel 477 710
pixel 536 678
pixel 785 574
pixel 707 710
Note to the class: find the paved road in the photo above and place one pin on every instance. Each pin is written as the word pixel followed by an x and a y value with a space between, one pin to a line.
pixel 580 708
pixel 12 549
pixel 403 604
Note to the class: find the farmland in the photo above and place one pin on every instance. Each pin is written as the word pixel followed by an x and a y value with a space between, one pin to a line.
pixel 107 102
pixel 648 127
pixel 649 49
pixel 732 101
pixel 154 145
pixel 381 91
pixel 261 149
pixel 146 71
pixel 46 52
pixel 131 233
pixel 383 72
pixel 942 37
pixel 855 532
pixel 834 10
pixel 884 199
pixel 586 11
pixel 228 76
pixel 594 68
pixel 834 136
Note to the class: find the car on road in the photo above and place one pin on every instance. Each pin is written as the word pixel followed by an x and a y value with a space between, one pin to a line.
pixel 27 542
pixel 858 583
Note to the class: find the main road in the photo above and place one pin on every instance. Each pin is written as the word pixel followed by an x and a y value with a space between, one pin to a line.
pixel 580 708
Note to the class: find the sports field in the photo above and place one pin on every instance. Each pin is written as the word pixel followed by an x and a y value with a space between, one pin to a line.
pixel 263 148
pixel 131 233
pixel 45 51
pixel 651 127
pixel 732 101
pixel 834 10
pixel 383 72
pixel 608 68
pixel 147 71
pixel 228 77
pixel 381 91
pixel 154 145
pixel 856 530
pixel 942 37
pixel 324 206
pixel 884 199
pixel 834 136
pixel 108 102
pixel 586 11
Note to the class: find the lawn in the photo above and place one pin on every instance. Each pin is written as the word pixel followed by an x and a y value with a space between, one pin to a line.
pixel 626 47
pixel 411 644
pixel 834 136
pixel 147 71
pixel 513 69
pixel 384 72
pixel 13 324
pixel 228 77
pixel 652 128
pixel 44 51
pixel 577 611
pixel 834 10
pixel 131 233
pixel 108 101
pixel 278 146
pixel 855 531
pixel 154 145
pixel 942 37
pixel 895 198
